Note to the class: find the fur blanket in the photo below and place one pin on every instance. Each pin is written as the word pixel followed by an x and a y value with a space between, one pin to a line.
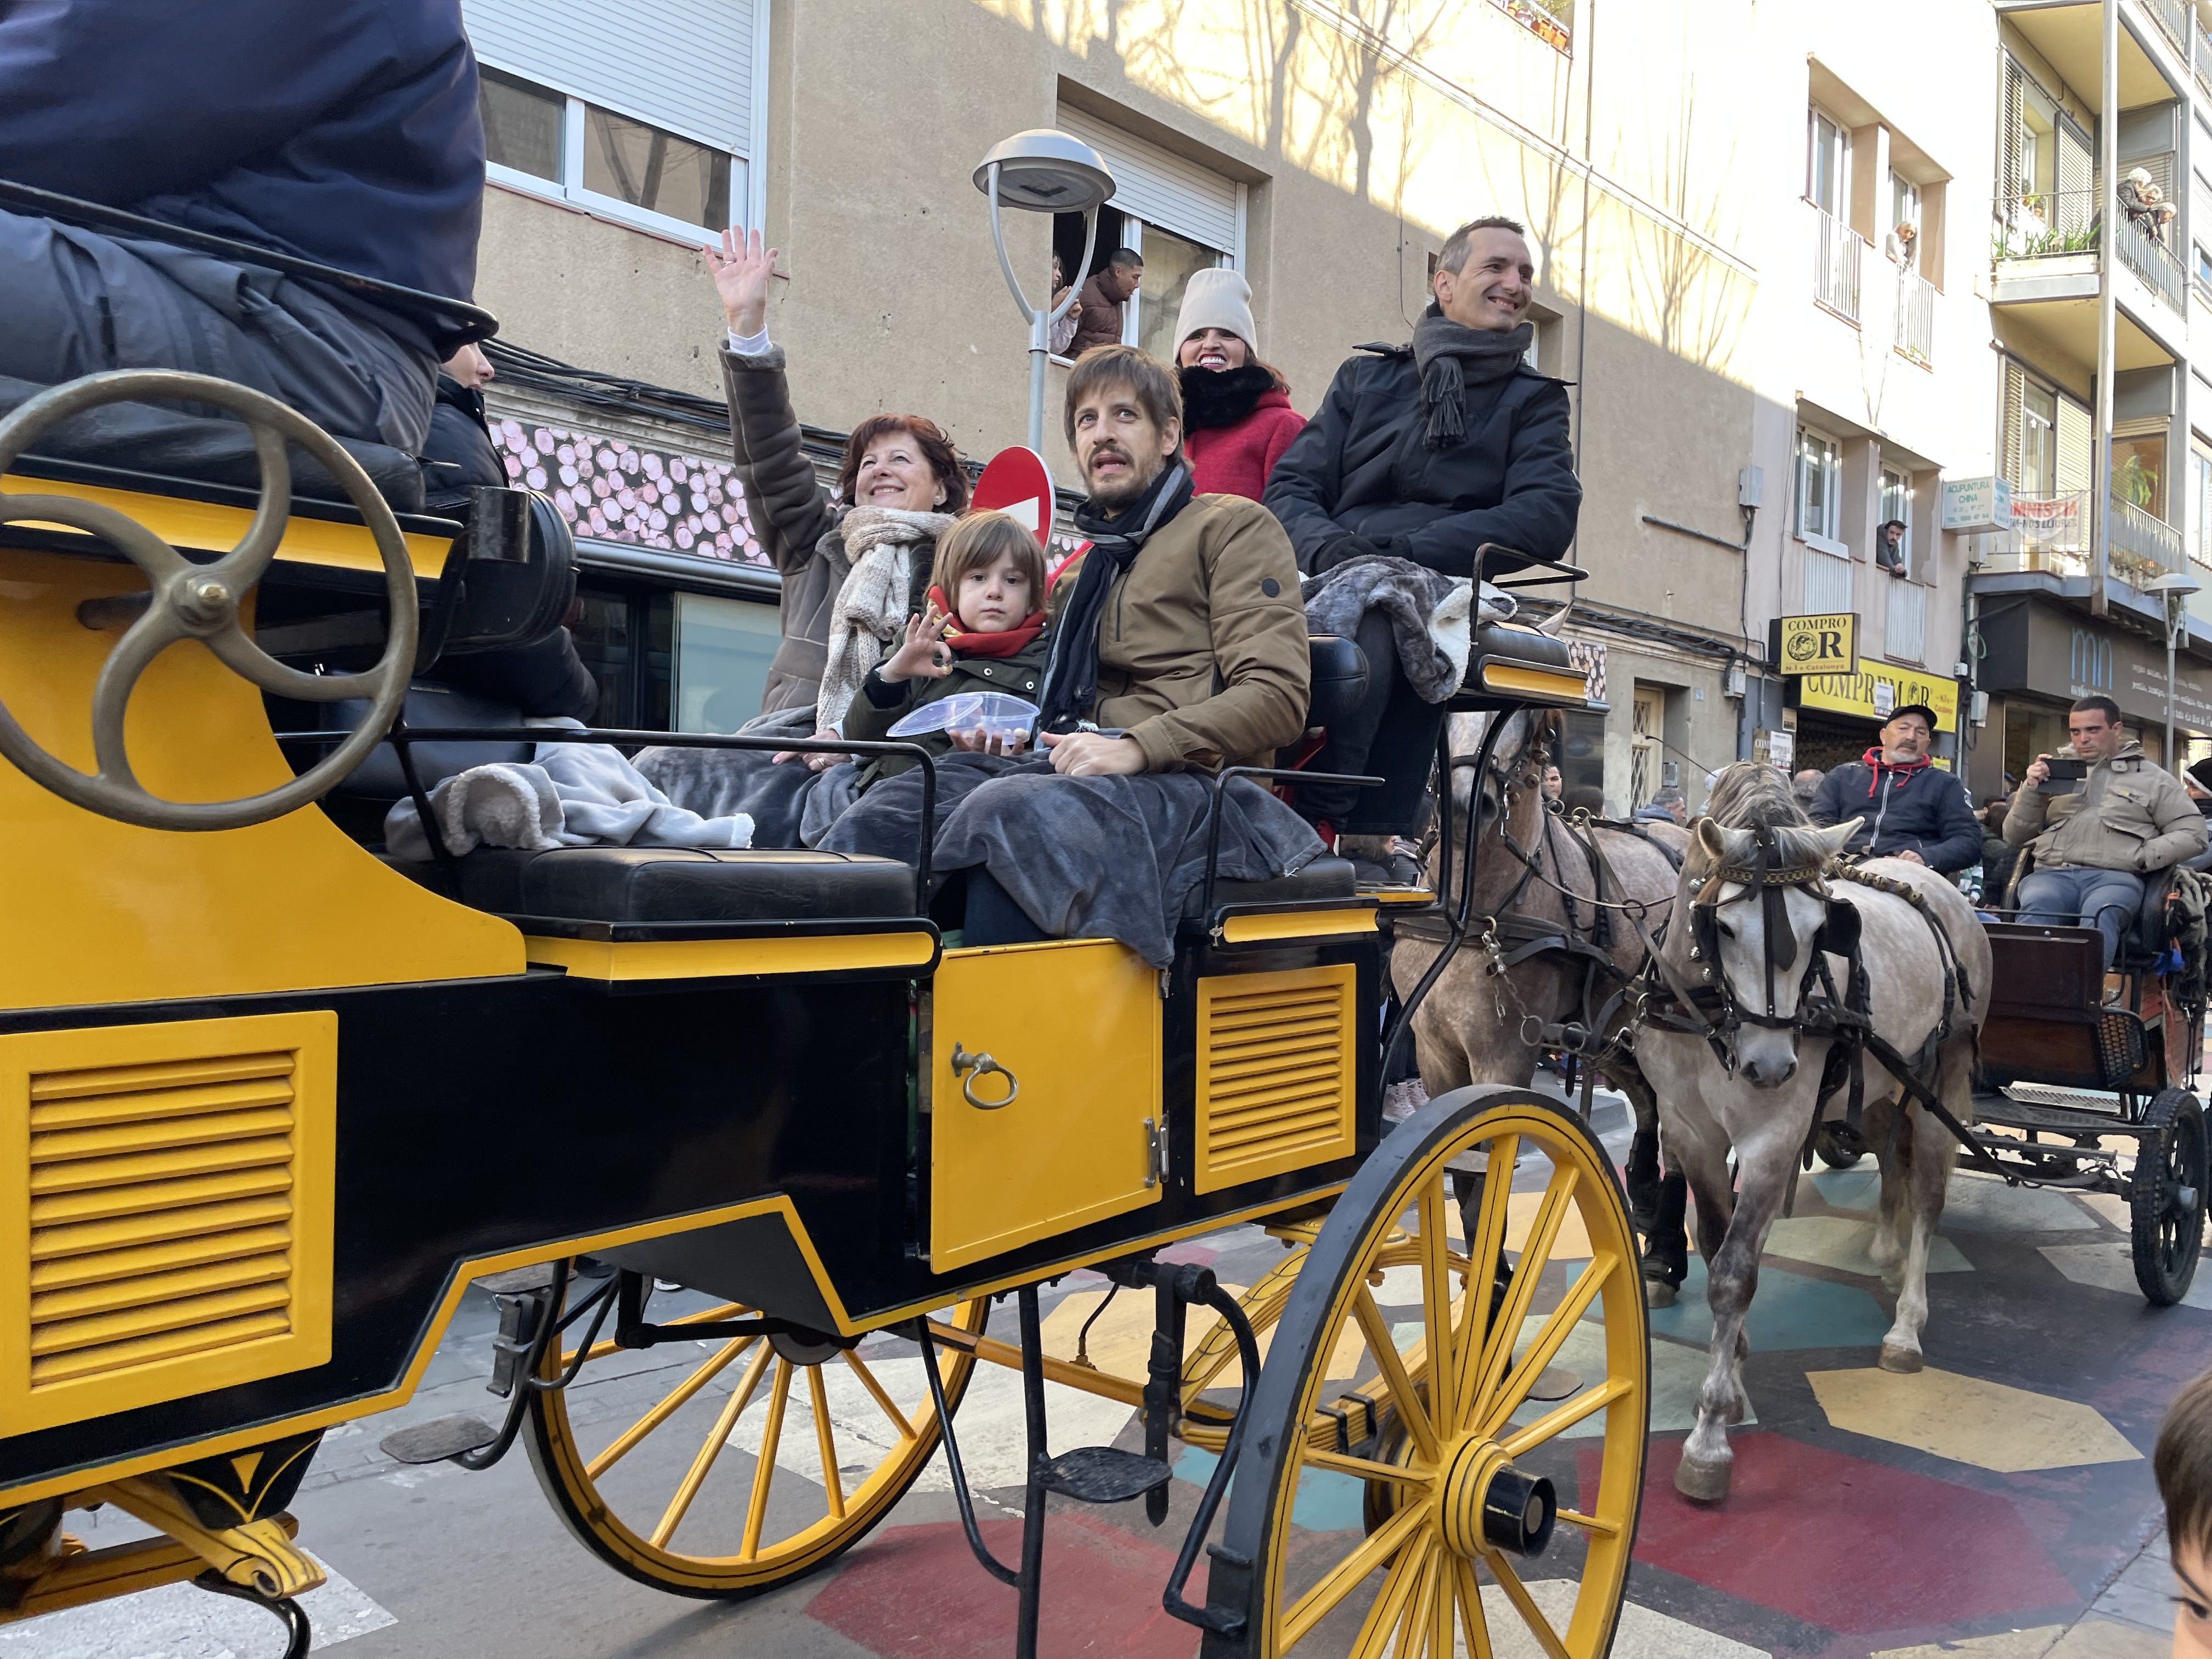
pixel 1428 613
pixel 790 805
pixel 1085 858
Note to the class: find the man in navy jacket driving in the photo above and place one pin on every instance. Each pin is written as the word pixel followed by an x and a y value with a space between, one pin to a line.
pixel 1910 808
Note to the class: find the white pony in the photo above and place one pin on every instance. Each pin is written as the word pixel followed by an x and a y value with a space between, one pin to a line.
pixel 1757 908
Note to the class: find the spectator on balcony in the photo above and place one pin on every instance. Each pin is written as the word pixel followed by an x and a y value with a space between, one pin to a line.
pixel 1889 548
pixel 2145 204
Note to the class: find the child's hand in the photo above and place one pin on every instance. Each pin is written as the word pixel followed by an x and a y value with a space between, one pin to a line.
pixel 924 655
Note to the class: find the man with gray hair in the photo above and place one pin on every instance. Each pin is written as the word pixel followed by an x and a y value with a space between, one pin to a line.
pixel 1426 452
pixel 1805 786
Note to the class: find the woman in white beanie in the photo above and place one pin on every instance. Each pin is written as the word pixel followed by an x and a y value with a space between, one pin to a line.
pixel 1236 414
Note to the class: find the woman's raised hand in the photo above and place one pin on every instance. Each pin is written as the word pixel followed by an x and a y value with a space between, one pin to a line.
pixel 742 269
pixel 923 654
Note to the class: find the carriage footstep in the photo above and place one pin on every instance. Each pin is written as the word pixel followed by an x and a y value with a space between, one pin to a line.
pixel 1104 1474
pixel 439 1438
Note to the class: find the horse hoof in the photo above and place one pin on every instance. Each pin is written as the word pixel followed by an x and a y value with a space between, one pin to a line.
pixel 1904 1360
pixel 1701 1481
pixel 1658 1293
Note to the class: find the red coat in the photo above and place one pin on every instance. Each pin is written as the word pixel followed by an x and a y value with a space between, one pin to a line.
pixel 1236 460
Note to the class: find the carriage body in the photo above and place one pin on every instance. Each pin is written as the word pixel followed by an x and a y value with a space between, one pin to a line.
pixel 2088 1082
pixel 270 1104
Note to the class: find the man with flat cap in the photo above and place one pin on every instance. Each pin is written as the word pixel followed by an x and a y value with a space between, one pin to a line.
pixel 1908 807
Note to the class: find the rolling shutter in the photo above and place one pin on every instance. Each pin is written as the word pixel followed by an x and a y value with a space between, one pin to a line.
pixel 2009 441
pixel 2077 179
pixel 686 65
pixel 1159 186
pixel 2075 460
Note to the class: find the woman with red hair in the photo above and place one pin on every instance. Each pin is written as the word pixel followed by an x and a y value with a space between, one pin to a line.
pixel 855 562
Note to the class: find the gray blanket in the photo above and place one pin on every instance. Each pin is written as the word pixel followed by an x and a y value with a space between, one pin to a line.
pixel 1412 596
pixel 791 804
pixel 1085 858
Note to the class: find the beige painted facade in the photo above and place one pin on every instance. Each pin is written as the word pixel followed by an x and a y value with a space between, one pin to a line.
pixel 1661 164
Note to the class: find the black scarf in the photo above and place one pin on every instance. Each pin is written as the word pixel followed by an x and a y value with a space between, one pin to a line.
pixel 1221 396
pixel 1451 358
pixel 1071 673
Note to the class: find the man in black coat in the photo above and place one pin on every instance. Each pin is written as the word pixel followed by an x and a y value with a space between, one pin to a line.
pixel 342 131
pixel 1427 452
pixel 1908 808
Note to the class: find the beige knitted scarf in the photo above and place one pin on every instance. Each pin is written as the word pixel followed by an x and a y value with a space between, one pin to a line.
pixel 872 605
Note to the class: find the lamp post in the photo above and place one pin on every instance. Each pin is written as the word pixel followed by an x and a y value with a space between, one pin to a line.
pixel 2174 590
pixel 1043 171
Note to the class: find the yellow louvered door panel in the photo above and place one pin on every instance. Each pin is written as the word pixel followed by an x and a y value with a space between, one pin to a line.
pixel 1277 1073
pixel 168 1195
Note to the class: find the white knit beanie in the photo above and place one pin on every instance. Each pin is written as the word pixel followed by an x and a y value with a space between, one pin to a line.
pixel 1218 298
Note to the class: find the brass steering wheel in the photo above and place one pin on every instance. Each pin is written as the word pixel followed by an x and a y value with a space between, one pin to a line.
pixel 201 602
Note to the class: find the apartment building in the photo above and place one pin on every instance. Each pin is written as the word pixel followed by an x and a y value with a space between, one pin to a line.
pixel 2099 286
pixel 1762 264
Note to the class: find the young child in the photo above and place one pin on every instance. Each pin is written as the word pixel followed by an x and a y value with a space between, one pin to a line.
pixel 983 630
pixel 2183 1464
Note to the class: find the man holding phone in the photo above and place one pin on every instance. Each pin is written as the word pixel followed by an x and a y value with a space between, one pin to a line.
pixel 2099 817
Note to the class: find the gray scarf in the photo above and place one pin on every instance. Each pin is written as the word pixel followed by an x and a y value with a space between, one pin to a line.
pixel 1451 358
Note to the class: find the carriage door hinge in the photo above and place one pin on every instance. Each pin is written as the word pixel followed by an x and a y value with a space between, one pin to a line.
pixel 1155 1151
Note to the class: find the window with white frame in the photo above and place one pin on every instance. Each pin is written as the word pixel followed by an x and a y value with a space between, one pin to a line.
pixel 1820 489
pixel 1828 150
pixel 2199 535
pixel 1896 508
pixel 1176 214
pixel 647 112
pixel 1904 214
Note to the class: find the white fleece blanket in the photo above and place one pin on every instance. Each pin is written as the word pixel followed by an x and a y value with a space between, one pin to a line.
pixel 569 794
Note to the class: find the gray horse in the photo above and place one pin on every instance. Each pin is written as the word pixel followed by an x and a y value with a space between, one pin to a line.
pixel 1928 982
pixel 1479 1024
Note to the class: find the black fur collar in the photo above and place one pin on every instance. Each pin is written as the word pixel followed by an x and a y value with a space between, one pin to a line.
pixel 1221 396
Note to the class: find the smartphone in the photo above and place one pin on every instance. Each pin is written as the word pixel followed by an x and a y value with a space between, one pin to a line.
pixel 2065 777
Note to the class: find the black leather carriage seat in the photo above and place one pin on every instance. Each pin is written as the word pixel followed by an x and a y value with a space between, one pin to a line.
pixel 1326 877
pixel 645 884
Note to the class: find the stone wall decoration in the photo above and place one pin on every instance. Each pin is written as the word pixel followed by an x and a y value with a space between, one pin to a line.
pixel 613 489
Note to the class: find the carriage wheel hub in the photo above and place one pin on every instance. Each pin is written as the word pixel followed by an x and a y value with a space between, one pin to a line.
pixel 1486 1505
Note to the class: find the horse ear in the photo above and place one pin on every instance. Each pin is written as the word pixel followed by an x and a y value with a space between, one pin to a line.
pixel 1839 838
pixel 1710 838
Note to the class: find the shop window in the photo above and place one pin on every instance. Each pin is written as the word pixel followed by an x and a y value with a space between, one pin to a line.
pixel 723 648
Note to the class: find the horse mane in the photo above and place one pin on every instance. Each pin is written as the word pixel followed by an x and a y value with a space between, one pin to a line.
pixel 1752 795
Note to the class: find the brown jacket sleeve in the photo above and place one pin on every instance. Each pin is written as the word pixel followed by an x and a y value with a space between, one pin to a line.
pixel 790 509
pixel 1257 621
pixel 1097 319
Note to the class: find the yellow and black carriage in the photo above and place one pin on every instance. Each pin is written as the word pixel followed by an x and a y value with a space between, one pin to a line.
pixel 270 1105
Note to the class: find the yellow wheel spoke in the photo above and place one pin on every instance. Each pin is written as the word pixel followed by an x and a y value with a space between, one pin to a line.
pixel 1413 1622
pixel 764 1470
pixel 1436 1309
pixel 1340 1580
pixel 868 1381
pixel 1531 1614
pixel 1364 1469
pixel 1563 1418
pixel 1441 1596
pixel 668 1408
pixel 825 1442
pixel 1388 1610
pixel 1549 1339
pixel 1392 1365
pixel 715 1441
pixel 1468 1594
pixel 1491 1223
pixel 1590 1523
pixel 1497 1347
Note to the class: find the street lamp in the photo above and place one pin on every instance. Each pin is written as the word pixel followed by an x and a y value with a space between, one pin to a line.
pixel 1043 171
pixel 2174 590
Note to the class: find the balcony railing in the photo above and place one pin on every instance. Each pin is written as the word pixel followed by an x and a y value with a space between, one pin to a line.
pixel 2143 545
pixel 1906 635
pixel 2040 224
pixel 1916 316
pixel 1835 250
pixel 2175 18
pixel 2143 250
pixel 2050 533
pixel 2203 62
pixel 1828 582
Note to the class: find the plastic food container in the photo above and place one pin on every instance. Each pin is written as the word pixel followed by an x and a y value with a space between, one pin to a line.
pixel 994 713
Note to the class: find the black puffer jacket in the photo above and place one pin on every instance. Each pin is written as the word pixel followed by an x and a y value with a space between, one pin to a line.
pixel 1360 469
pixel 1923 811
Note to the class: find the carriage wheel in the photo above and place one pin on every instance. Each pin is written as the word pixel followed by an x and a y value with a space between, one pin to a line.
pixel 2166 1207
pixel 1463 1473
pixel 858 1422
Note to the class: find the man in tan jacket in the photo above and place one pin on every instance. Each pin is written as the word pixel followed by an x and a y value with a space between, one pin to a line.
pixel 2094 844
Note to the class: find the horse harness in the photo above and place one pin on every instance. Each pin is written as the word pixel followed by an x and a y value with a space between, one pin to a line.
pixel 1710 1010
